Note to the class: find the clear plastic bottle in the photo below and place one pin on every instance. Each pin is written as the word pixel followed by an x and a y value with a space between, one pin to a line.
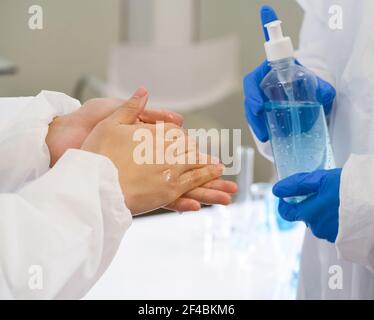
pixel 296 120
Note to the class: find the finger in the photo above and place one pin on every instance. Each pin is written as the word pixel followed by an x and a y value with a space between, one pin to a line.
pixel 222 185
pixel 197 177
pixel 252 90
pixel 195 160
pixel 268 15
pixel 301 184
pixel 254 103
pixel 258 125
pixel 288 211
pixel 175 134
pixel 182 151
pixel 303 211
pixel 102 106
pixel 209 196
pixel 153 116
pixel 130 110
pixel 106 103
pixel 183 205
pixel 96 110
pixel 326 94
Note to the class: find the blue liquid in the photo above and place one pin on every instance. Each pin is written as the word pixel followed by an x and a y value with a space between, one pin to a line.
pixel 299 138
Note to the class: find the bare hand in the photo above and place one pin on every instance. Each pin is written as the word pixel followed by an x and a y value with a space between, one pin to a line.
pixel 69 132
pixel 145 186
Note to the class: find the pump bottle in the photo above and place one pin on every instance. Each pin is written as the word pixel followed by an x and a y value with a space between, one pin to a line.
pixel 295 119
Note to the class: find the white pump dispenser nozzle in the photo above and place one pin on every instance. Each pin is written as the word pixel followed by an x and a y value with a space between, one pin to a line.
pixel 278 47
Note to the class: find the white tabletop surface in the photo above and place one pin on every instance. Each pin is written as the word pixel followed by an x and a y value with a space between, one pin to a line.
pixel 197 256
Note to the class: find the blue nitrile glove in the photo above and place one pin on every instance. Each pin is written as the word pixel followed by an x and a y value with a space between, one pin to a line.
pixel 320 211
pixel 255 98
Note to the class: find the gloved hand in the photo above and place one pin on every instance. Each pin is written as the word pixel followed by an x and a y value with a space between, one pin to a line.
pixel 255 98
pixel 320 211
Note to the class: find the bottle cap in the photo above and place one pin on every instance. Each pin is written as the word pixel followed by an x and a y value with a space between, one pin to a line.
pixel 278 47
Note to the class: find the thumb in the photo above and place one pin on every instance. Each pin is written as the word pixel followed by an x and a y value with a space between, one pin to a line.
pixel 268 15
pixel 326 95
pixel 299 185
pixel 130 110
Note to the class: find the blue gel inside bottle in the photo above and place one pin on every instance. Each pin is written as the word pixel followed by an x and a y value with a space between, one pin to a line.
pixel 299 137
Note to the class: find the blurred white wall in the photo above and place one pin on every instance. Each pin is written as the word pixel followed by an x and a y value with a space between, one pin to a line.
pixel 78 34
pixel 76 39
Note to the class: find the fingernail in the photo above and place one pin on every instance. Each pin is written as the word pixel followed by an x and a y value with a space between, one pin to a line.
pixel 196 208
pixel 175 118
pixel 220 167
pixel 140 93
pixel 230 200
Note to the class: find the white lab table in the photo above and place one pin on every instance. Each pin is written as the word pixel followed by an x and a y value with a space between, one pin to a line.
pixel 197 256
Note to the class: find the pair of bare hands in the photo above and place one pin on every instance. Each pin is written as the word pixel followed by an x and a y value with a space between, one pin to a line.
pixel 106 127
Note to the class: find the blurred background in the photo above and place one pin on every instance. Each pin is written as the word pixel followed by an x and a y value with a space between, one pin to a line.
pixel 76 53
pixel 192 56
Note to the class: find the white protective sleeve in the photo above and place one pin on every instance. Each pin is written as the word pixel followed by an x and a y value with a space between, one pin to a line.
pixel 311 54
pixel 355 240
pixel 59 228
pixel 24 155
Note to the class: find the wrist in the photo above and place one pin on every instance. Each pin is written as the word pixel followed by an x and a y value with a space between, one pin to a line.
pixel 53 127
pixel 64 132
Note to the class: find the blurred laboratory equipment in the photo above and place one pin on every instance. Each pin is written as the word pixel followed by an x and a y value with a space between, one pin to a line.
pixel 181 72
pixel 234 226
pixel 251 233
pixel 242 220
pixel 245 177
pixel 7 67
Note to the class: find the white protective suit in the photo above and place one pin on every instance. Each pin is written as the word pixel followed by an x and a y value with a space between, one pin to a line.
pixel 60 227
pixel 345 58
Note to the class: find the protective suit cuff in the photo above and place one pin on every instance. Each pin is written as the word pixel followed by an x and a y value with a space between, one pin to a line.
pixel 355 242
pixel 49 105
pixel 23 137
pixel 112 198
